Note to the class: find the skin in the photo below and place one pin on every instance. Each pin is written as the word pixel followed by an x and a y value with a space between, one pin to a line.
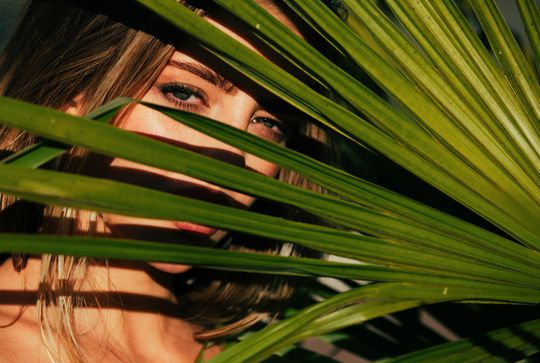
pixel 227 104
pixel 142 333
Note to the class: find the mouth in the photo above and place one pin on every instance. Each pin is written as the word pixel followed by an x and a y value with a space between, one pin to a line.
pixel 195 228
pixel 205 235
pixel 206 195
pixel 171 231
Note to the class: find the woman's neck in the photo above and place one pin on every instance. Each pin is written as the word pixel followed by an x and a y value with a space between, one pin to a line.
pixel 130 313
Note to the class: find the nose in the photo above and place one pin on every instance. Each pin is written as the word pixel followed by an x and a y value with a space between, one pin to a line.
pixel 235 110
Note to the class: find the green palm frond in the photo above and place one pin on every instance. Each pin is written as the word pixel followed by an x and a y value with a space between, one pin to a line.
pixel 512 344
pixel 457 116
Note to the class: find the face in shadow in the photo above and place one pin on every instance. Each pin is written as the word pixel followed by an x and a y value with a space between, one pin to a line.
pixel 192 83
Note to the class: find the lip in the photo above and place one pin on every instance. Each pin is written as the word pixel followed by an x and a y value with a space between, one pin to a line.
pixel 206 195
pixel 195 228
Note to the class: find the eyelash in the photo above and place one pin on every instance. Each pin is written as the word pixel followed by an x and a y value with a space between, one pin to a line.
pixel 285 131
pixel 169 89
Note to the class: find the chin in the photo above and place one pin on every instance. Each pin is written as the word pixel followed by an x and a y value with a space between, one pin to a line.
pixel 171 268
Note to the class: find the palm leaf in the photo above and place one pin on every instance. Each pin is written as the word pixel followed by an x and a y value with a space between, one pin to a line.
pixel 455 117
pixel 508 344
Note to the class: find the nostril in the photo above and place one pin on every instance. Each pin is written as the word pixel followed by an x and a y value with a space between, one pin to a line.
pixel 225 156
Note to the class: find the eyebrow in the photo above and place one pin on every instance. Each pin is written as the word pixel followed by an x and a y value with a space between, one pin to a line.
pixel 207 74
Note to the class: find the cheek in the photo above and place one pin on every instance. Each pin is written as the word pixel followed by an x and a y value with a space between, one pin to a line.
pixel 261 166
pixel 143 120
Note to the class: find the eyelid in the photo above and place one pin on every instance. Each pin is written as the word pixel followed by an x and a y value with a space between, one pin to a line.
pixel 285 128
pixel 196 90
pixel 288 121
pixel 206 74
pixel 167 88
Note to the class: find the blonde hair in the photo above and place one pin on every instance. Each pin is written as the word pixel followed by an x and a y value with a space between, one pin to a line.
pixel 98 59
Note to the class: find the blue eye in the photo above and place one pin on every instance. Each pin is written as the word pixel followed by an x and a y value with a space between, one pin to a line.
pixel 270 128
pixel 183 96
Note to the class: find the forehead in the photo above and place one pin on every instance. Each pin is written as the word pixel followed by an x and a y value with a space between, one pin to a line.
pixel 232 26
pixel 279 13
pixel 212 11
pixel 235 28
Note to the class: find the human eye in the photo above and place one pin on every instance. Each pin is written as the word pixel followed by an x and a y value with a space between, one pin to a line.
pixel 270 128
pixel 183 96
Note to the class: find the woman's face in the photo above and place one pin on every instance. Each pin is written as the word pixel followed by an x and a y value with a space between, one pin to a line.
pixel 189 84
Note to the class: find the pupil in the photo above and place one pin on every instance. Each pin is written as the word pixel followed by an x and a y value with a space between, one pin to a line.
pixel 182 95
pixel 268 123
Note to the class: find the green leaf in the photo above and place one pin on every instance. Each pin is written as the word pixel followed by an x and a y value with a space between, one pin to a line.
pixel 120 198
pixel 451 56
pixel 507 51
pixel 507 344
pixel 365 303
pixel 459 100
pixel 36 155
pixel 210 258
pixel 115 142
pixel 444 124
pixel 457 119
pixel 248 11
pixel 43 151
pixel 284 85
pixel 406 211
pixel 531 20
pixel 389 215
pixel 198 256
